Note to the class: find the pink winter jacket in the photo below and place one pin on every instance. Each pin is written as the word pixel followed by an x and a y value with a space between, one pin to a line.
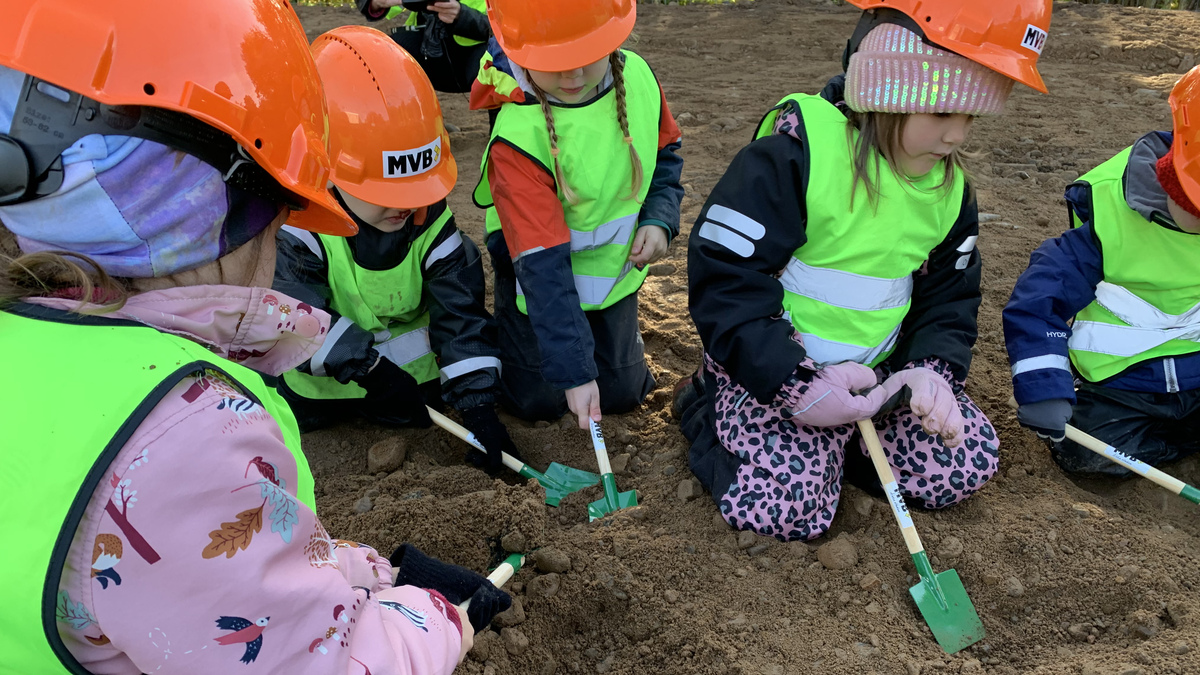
pixel 194 555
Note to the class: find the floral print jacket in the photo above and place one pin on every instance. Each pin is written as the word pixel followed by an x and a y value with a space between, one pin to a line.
pixel 194 555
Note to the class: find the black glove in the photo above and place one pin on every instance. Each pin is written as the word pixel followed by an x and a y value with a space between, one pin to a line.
pixel 414 568
pixel 491 434
pixel 1048 419
pixel 393 396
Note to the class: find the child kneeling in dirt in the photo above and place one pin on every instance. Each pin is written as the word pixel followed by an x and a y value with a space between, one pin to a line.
pixel 407 292
pixel 1115 303
pixel 837 250
pixel 581 185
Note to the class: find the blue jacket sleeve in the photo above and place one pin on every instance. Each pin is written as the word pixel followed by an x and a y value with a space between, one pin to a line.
pixel 1060 281
pixel 662 201
pixel 564 336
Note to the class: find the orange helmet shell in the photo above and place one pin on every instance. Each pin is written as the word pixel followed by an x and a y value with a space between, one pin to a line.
pixel 1005 35
pixel 1185 111
pixel 387 141
pixel 560 35
pixel 243 67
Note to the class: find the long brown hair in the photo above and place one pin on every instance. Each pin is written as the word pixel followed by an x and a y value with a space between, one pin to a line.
pixel 879 135
pixel 48 273
pixel 618 70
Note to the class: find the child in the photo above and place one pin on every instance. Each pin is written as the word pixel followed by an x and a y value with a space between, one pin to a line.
pixel 447 38
pixel 842 240
pixel 406 293
pixel 164 508
pixel 581 185
pixel 1126 274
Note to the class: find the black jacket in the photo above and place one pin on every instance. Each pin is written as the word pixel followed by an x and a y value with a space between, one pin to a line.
pixel 737 302
pixel 470 23
pixel 460 326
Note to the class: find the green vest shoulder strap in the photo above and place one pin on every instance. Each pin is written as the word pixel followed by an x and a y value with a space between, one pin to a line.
pixel 86 384
pixel 1146 304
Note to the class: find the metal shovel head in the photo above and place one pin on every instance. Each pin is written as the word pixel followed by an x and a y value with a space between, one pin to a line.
pixel 955 626
pixel 560 481
pixel 612 500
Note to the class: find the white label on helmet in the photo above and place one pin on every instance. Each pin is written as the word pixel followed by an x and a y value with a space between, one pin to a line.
pixel 404 163
pixel 1035 38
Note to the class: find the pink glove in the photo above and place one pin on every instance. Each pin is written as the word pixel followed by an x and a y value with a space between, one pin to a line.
pixel 828 400
pixel 932 400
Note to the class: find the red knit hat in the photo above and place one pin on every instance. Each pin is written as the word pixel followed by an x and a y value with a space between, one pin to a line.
pixel 1170 182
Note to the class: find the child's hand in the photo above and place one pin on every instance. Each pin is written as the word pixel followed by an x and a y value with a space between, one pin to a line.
pixel 468 635
pixel 649 245
pixel 584 401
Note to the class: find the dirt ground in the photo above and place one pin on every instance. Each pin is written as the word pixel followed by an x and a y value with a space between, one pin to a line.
pixel 1095 578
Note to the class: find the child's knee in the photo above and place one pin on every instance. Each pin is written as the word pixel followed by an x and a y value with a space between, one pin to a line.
pixel 758 502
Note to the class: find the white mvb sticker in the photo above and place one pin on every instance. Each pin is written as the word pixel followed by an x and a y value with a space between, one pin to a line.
pixel 1125 460
pixel 898 505
pixel 403 163
pixel 1035 38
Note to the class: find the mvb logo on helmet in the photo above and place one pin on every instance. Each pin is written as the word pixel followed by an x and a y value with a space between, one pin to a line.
pixel 1035 38
pixel 404 163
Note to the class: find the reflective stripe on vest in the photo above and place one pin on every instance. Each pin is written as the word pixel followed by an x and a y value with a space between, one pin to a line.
pixel 62 438
pixel 849 287
pixel 595 159
pixel 1148 306
pixel 385 302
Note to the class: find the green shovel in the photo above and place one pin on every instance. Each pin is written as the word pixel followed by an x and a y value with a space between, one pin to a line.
pixel 612 500
pixel 941 598
pixel 558 481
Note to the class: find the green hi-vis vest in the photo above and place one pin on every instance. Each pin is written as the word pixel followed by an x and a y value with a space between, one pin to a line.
pixel 595 160
pixel 1148 306
pixel 76 392
pixel 849 287
pixel 386 303
pixel 411 21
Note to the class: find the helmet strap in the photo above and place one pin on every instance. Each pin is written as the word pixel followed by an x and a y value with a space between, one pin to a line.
pixel 49 119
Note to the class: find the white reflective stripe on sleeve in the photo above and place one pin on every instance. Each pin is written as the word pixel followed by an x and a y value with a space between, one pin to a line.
pixel 962 262
pixel 742 224
pixel 845 289
pixel 968 244
pixel 727 238
pixel 825 352
pixel 1135 311
pixel 406 347
pixel 617 232
pixel 316 365
pixel 1056 361
pixel 444 249
pixel 520 293
pixel 468 366
pixel 1171 376
pixel 309 239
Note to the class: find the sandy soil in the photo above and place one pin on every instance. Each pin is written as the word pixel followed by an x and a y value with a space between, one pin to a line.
pixel 1093 578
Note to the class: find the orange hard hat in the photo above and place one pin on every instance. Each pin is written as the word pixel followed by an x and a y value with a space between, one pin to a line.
pixel 1185 110
pixel 558 36
pixel 240 66
pixel 387 141
pixel 1004 35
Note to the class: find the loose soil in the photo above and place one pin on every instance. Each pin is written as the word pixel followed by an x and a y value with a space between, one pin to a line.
pixel 1096 578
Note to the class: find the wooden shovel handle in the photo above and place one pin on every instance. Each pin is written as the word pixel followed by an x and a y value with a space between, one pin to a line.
pixel 463 433
pixel 899 509
pixel 600 447
pixel 498 577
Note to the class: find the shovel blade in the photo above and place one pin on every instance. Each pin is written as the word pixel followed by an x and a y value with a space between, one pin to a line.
pixel 957 625
pixel 611 502
pixel 560 481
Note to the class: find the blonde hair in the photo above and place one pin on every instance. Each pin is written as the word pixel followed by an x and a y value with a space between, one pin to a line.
pixel 618 70
pixel 47 273
pixel 879 135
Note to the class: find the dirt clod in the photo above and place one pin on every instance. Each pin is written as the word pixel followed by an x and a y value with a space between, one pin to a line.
pixel 838 554
pixel 387 455
pixel 551 560
pixel 514 641
pixel 545 586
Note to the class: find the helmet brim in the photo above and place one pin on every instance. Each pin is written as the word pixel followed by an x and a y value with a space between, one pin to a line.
pixel 412 192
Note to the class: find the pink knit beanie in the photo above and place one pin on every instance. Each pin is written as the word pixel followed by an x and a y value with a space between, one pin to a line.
pixel 894 71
